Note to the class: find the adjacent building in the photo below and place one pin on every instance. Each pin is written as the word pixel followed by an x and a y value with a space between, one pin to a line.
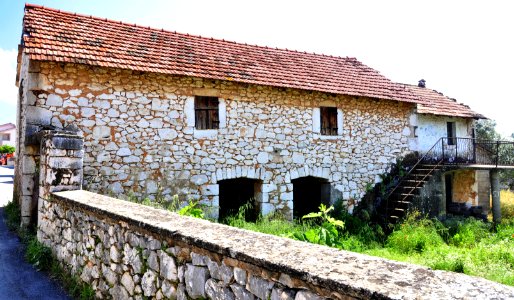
pixel 8 134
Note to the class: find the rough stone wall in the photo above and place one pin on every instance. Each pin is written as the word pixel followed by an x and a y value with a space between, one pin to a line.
pixel 27 155
pixel 139 138
pixel 125 250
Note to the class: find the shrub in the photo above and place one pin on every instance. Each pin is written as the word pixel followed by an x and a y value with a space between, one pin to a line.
pixel 468 232
pixel 7 149
pixel 415 234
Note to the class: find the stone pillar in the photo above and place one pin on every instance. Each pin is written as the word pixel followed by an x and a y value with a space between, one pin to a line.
pixel 495 192
pixel 61 161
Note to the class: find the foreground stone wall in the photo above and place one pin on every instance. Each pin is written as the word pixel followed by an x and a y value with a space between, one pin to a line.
pixel 125 250
pixel 140 139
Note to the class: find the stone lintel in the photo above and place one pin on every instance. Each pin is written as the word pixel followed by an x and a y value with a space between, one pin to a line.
pixel 68 140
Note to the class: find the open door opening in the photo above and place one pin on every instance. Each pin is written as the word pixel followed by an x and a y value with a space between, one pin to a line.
pixel 308 193
pixel 235 193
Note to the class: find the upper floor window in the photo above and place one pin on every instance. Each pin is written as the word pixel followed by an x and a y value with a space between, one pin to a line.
pixel 206 112
pixel 6 137
pixel 452 132
pixel 328 121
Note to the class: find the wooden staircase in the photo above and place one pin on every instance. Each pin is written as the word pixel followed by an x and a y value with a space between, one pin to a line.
pixel 401 197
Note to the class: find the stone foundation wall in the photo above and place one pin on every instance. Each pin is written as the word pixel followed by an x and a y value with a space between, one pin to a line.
pixel 125 250
pixel 139 138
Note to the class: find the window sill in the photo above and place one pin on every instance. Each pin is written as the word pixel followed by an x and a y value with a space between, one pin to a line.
pixel 329 137
pixel 205 133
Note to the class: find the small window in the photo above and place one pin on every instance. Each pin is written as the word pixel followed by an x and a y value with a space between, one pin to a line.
pixel 328 120
pixel 206 112
pixel 451 132
pixel 6 137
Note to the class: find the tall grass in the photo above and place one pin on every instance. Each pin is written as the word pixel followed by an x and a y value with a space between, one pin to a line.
pixel 464 245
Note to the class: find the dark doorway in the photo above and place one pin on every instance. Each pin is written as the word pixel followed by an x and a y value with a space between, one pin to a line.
pixel 235 193
pixel 308 193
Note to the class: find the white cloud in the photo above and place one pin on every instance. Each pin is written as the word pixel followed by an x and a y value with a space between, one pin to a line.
pixel 8 89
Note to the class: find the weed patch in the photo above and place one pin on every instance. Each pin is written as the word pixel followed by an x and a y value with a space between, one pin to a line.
pixel 39 255
pixel 415 234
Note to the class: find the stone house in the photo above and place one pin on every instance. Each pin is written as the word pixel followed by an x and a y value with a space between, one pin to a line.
pixel 164 113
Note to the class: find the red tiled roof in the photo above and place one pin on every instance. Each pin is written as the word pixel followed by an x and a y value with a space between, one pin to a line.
pixel 54 35
pixel 435 103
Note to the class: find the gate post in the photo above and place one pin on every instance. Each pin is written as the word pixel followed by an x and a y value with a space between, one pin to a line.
pixel 61 161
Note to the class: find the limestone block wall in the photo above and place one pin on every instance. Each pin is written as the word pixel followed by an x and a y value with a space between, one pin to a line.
pixel 140 139
pixel 128 251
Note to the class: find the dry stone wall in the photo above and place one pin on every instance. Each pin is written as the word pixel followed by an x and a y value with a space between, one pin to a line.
pixel 128 251
pixel 139 137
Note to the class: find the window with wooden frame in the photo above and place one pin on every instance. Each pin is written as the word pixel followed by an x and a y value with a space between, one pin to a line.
pixel 206 112
pixel 328 122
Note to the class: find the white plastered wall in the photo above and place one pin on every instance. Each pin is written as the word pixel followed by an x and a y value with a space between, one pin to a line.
pixel 431 128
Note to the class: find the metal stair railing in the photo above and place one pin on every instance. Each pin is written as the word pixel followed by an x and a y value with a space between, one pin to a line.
pixel 435 154
pixel 456 151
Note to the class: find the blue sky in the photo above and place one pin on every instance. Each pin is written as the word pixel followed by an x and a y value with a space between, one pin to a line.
pixel 463 49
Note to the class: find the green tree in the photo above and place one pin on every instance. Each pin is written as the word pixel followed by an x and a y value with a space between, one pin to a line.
pixel 486 130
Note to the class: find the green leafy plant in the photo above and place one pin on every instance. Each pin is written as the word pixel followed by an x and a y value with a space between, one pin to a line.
pixel 327 233
pixel 193 209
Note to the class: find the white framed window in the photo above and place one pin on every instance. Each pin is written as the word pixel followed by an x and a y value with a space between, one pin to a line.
pixel 327 121
pixel 206 115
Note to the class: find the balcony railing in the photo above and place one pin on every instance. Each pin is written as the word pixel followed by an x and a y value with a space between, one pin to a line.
pixel 469 151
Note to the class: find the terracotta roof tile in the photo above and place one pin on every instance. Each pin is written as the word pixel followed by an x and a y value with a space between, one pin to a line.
pixel 435 103
pixel 50 34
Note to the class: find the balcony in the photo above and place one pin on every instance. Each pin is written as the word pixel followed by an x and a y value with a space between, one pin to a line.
pixel 472 153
